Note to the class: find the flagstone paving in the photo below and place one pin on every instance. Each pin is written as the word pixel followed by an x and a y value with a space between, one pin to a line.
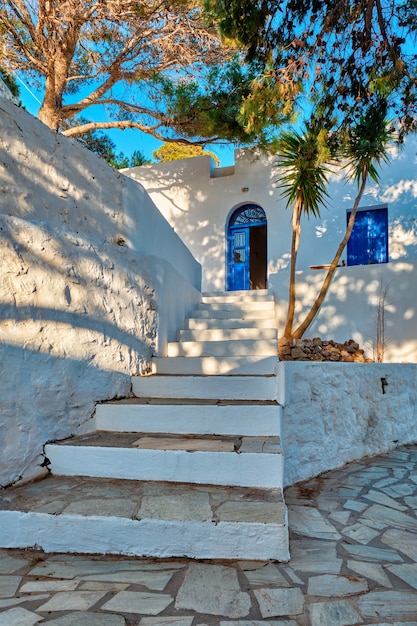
pixel 353 541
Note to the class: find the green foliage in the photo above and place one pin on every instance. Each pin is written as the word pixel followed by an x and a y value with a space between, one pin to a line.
pixel 175 151
pixel 303 157
pixel 242 19
pixel 136 61
pixel 101 144
pixel 366 143
pixel 9 80
pixel 228 104
pixel 137 158
pixel 270 103
pixel 343 54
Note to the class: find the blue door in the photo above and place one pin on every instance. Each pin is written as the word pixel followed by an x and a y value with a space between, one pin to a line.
pixel 238 262
pixel 368 243
pixel 246 249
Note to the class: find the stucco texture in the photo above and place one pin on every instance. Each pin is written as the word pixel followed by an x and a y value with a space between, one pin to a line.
pixel 198 200
pixel 76 320
pixel 88 263
pixel 339 412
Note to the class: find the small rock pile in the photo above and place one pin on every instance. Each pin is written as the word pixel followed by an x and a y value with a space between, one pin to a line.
pixel 319 350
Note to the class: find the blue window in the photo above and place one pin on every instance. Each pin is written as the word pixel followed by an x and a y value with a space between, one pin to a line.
pixel 368 243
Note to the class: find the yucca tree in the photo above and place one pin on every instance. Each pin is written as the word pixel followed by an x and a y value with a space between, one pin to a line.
pixel 365 149
pixel 304 158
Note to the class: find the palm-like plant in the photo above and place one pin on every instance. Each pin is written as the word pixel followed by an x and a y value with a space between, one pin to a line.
pixel 365 149
pixel 304 158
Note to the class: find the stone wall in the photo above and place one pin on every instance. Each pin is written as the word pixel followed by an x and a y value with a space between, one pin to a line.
pixel 321 350
pixel 339 412
pixel 46 177
pixel 93 282
pixel 76 320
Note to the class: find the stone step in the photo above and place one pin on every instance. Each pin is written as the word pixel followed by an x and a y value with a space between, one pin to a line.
pixel 162 520
pixel 227 334
pixel 206 387
pixel 238 307
pixel 207 312
pixel 253 294
pixel 255 419
pixel 229 297
pixel 237 347
pixel 194 323
pixel 209 460
pixel 214 366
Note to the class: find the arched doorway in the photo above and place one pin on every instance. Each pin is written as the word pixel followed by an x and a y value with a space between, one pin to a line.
pixel 246 248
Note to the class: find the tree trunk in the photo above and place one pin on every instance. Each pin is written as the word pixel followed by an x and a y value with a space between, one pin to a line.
pixel 299 332
pixel 296 232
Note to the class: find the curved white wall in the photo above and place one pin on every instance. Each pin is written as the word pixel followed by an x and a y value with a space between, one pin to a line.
pixel 94 281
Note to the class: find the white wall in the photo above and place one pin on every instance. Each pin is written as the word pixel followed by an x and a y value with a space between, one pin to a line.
pixel 45 177
pixel 197 203
pixel 335 413
pixel 93 282
pixel 350 309
pixel 77 318
pixel 197 200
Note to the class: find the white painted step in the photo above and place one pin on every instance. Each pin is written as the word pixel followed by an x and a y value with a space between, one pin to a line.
pixel 146 537
pixel 194 323
pixel 214 366
pixel 256 463
pixel 227 334
pixel 206 387
pixel 239 347
pixel 242 307
pixel 245 302
pixel 197 419
pixel 74 515
pixel 253 294
pixel 235 313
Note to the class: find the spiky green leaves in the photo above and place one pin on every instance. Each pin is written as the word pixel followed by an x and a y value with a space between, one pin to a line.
pixel 304 158
pixel 366 143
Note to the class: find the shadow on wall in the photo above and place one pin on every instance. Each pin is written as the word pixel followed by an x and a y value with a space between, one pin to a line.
pixel 340 412
pixel 351 306
pixel 77 319
pixel 47 177
pixel 198 205
pixel 51 276
pixel 45 397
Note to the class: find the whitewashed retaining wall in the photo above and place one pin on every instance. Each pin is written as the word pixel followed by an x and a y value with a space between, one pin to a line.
pixel 76 319
pixel 93 281
pixel 45 177
pixel 338 412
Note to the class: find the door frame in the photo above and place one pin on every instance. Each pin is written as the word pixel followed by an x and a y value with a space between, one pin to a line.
pixel 248 221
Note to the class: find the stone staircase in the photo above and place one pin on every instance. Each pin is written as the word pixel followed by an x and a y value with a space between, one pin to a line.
pixel 191 466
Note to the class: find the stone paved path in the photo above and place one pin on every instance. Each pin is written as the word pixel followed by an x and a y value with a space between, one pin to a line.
pixel 353 561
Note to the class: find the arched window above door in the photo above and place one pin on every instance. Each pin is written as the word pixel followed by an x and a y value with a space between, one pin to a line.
pixel 247 214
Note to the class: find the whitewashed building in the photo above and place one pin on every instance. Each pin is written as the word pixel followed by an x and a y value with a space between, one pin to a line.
pixel 235 222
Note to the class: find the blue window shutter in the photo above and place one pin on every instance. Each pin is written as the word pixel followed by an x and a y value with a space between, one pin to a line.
pixel 368 243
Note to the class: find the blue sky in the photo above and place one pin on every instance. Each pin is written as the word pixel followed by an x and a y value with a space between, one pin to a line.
pixel 127 141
